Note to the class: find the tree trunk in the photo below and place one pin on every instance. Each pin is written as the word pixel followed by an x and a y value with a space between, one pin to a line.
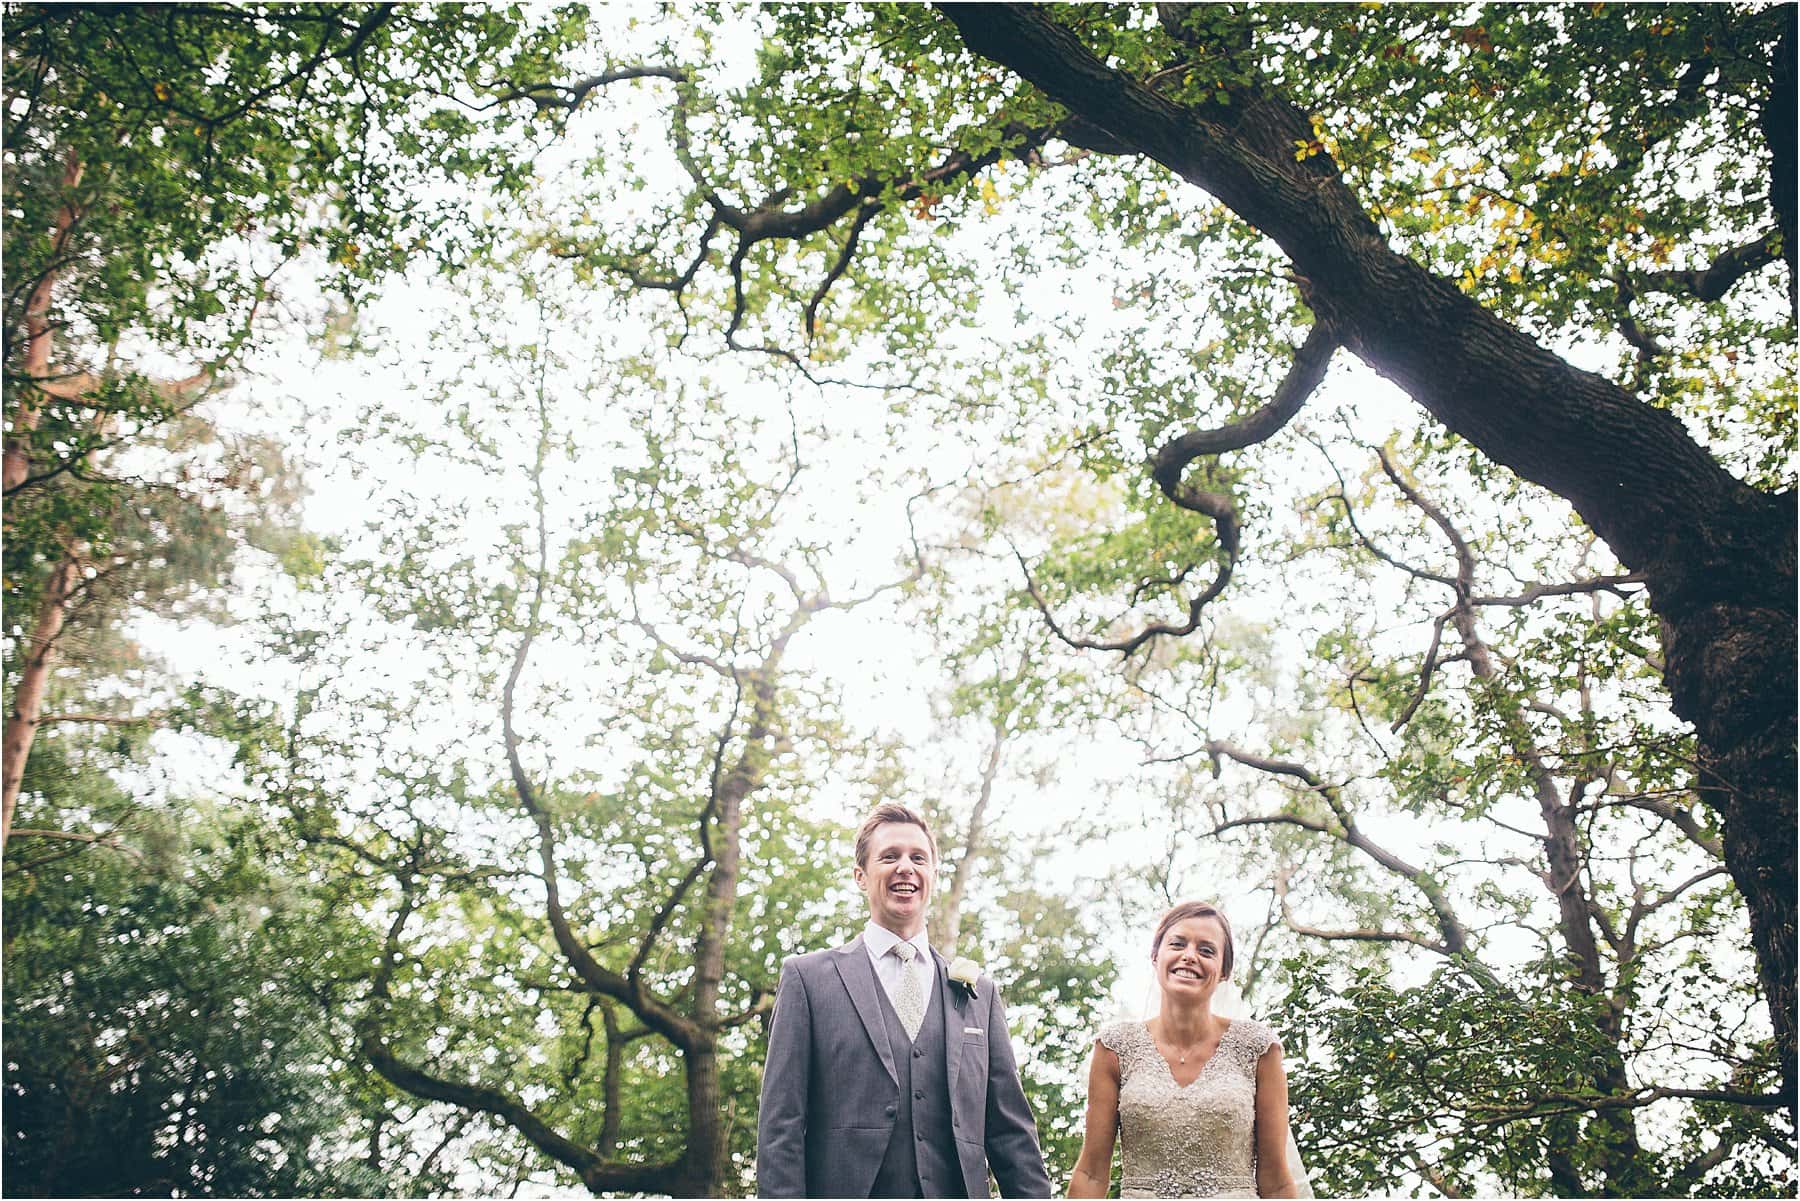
pixel 1718 557
pixel 702 1171
pixel 704 1163
pixel 946 915
pixel 28 695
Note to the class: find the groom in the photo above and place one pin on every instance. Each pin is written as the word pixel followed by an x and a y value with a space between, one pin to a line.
pixel 885 1077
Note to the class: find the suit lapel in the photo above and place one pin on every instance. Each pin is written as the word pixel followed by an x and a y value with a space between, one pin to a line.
pixel 953 1005
pixel 858 975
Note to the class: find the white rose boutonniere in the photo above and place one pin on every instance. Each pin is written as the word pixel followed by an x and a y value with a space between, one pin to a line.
pixel 964 973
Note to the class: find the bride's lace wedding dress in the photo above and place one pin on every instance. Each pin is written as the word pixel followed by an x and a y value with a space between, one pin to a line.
pixel 1192 1141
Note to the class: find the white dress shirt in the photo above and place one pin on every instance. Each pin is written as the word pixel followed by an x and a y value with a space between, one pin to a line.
pixel 879 940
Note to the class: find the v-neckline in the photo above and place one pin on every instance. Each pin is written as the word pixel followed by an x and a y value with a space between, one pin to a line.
pixel 1204 1064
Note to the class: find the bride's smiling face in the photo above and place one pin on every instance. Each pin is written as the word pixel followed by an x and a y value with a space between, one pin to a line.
pixel 1190 958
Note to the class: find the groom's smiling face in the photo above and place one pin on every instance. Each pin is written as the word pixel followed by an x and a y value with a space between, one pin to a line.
pixel 897 876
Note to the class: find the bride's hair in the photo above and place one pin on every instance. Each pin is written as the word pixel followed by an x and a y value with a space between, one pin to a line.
pixel 1187 909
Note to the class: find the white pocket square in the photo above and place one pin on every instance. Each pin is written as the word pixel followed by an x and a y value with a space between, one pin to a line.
pixel 975 1030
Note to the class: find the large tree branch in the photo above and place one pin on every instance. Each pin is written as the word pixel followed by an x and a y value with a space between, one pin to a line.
pixel 1717 555
pixel 1569 430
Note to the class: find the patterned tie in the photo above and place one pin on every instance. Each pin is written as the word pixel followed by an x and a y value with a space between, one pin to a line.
pixel 909 999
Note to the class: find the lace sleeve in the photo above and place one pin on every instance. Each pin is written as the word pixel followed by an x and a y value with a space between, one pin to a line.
pixel 1126 1040
pixel 1260 1038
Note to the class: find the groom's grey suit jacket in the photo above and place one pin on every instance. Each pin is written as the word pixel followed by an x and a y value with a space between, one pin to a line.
pixel 830 1087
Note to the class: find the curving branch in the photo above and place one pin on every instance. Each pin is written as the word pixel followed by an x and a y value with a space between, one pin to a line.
pixel 762 1004
pixel 1302 380
pixel 1363 538
pixel 782 215
pixel 810 321
pixel 1427 668
pixel 1642 906
pixel 1454 936
pixel 1169 465
pixel 1126 646
pixel 1464 583
pixel 1278 819
pixel 597 1173
pixel 677 284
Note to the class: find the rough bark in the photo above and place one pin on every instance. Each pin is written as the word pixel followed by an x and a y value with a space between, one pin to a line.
pixel 1718 557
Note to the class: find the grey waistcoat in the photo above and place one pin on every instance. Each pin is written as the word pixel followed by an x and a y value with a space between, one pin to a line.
pixel 921 1157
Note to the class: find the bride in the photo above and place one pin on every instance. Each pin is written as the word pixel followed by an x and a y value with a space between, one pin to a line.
pixel 1199 1100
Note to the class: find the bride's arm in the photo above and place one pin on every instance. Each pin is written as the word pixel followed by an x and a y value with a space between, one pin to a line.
pixel 1093 1170
pixel 1273 1178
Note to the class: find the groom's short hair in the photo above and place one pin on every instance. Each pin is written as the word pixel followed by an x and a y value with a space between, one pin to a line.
pixel 1187 909
pixel 890 811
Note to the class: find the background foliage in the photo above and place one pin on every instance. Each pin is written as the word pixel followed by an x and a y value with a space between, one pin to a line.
pixel 721 420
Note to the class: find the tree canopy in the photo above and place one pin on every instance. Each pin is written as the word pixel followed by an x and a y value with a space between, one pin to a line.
pixel 1338 458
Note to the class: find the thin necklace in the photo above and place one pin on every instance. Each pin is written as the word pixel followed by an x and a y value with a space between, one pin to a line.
pixel 1180 1055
